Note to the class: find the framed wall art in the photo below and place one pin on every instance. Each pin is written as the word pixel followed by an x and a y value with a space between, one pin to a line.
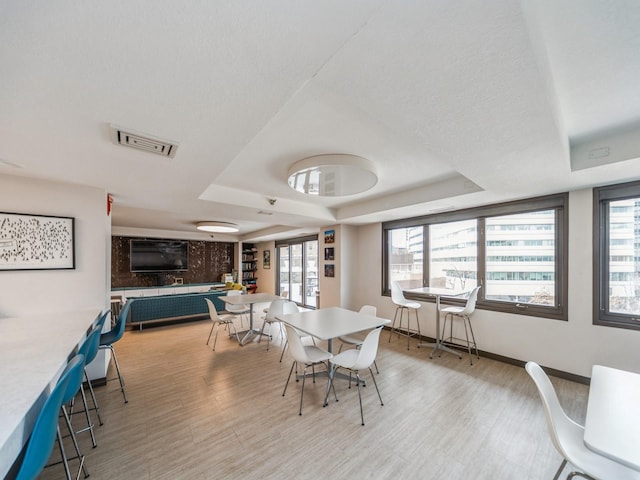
pixel 36 242
pixel 329 270
pixel 329 236
pixel 266 259
pixel 329 253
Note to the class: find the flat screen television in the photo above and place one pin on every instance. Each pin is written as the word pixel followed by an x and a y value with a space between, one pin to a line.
pixel 159 255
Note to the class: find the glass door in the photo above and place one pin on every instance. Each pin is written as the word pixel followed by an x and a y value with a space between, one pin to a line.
pixel 298 270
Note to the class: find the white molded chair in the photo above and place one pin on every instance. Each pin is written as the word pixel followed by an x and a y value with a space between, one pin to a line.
pixel 218 320
pixel 463 313
pixel 276 308
pixel 240 310
pixel 356 341
pixel 403 305
pixel 355 360
pixel 568 437
pixel 309 356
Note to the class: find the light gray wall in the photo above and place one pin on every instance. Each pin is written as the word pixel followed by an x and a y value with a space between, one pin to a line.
pixel 573 346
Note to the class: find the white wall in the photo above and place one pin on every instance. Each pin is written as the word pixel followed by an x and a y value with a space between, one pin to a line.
pixel 40 291
pixel 51 291
pixel 267 276
pixel 572 346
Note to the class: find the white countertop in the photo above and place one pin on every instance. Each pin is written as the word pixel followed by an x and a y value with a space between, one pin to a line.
pixel 33 352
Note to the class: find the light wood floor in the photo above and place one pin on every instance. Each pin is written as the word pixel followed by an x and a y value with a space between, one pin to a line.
pixel 198 414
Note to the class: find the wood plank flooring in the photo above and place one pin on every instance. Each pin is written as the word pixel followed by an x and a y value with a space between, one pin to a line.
pixel 198 414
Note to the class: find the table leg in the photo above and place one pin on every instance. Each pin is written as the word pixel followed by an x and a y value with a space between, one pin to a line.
pixel 251 332
pixel 438 345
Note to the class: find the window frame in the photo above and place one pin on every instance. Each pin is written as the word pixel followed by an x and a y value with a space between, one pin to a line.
pixel 602 196
pixel 558 202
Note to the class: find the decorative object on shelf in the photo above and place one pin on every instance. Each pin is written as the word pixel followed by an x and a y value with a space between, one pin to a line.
pixel 329 253
pixel 332 175
pixel 217 227
pixel 329 236
pixel 36 242
pixel 266 259
pixel 329 270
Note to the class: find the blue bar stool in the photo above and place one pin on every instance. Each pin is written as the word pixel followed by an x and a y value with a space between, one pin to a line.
pixel 46 428
pixel 108 339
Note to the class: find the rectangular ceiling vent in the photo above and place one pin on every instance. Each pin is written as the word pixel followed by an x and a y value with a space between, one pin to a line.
pixel 144 142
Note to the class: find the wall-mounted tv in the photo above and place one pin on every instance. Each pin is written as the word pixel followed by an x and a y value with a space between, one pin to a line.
pixel 159 255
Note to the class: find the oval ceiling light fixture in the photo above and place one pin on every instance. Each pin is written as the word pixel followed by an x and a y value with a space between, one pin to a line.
pixel 217 227
pixel 332 175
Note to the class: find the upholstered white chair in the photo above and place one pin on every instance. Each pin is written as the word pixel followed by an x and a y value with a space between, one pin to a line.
pixel 568 437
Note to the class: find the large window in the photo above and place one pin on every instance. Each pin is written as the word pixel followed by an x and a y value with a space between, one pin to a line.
pixel 617 255
pixel 298 269
pixel 515 251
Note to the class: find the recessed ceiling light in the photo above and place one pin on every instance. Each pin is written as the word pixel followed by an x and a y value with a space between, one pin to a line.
pixel 217 227
pixel 332 175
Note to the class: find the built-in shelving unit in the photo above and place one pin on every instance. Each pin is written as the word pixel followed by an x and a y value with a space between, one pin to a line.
pixel 249 267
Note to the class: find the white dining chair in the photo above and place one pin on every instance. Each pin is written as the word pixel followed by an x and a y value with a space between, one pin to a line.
pixel 216 321
pixel 308 355
pixel 568 437
pixel 356 339
pixel 403 306
pixel 463 313
pixel 240 310
pixel 355 360
pixel 275 309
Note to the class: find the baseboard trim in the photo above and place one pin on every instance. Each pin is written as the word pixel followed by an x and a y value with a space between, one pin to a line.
pixel 511 361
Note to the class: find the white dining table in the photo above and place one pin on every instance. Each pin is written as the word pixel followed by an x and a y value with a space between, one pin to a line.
pixel 437 294
pixel 333 322
pixel 34 351
pixel 249 299
pixel 612 424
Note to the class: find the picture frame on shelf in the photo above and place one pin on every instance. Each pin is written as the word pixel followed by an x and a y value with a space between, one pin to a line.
pixel 36 242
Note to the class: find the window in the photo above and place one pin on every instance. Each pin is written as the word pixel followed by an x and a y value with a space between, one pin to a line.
pixel 298 269
pixel 616 243
pixel 516 251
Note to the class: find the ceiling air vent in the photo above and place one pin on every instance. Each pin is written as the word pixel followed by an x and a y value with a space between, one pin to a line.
pixel 144 142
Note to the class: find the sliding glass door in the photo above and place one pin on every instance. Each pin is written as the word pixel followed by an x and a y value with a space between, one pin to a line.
pixel 298 269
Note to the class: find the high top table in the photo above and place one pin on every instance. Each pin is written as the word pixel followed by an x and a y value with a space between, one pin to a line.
pixel 250 299
pixel 612 425
pixel 437 293
pixel 33 353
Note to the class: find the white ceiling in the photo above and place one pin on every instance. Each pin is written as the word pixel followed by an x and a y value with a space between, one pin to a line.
pixel 458 103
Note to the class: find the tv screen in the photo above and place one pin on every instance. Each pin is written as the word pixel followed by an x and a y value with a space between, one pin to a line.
pixel 159 255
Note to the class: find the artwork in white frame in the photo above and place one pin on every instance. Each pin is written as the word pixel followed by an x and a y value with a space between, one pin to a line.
pixel 36 242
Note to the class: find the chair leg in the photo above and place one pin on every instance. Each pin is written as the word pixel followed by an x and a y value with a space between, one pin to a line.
pixel 466 334
pixel 286 342
pixel 359 397
pixel 304 376
pixel 473 337
pixel 235 331
pixel 288 378
pixel 93 397
pixel 63 454
pixel 376 385
pixel 210 332
pixel 562 465
pixel 215 340
pixel 89 426
pixel 75 444
pixel 115 360
pixel 393 324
